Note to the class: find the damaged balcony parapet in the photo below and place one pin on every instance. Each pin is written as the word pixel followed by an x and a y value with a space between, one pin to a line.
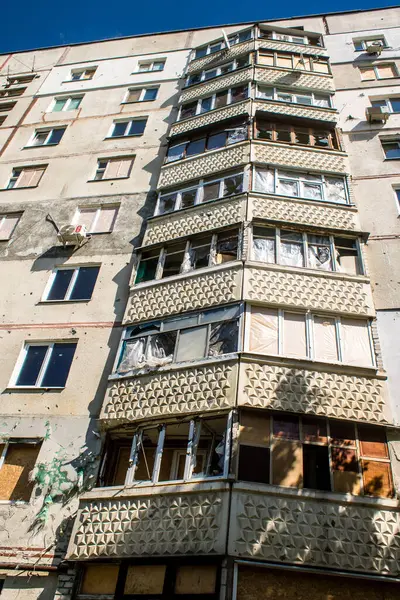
pixel 303 111
pixel 222 56
pixel 203 217
pixel 327 291
pixel 310 387
pixel 293 157
pixel 180 388
pixel 314 529
pixel 294 79
pixel 194 290
pixel 211 86
pixel 213 116
pixel 205 164
pixel 158 521
pixel 327 215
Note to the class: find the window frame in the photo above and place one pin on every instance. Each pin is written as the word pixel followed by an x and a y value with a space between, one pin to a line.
pixel 82 72
pixel 199 195
pixel 363 43
pixel 375 68
pixel 67 297
pixel 151 64
pixel 97 211
pixel 15 178
pixel 294 94
pixel 396 189
pixel 42 372
pixel 102 170
pixel 305 38
pixel 213 101
pixel 3 218
pixel 393 141
pixel 143 91
pixel 221 41
pixel 68 100
pixel 388 104
pixel 9 441
pixel 128 121
pixel 312 132
pixel 219 68
pixel 311 58
pixel 49 132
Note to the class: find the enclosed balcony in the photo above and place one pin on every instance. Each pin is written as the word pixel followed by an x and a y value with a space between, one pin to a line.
pixel 285 39
pixel 217 51
pixel 267 73
pixel 210 81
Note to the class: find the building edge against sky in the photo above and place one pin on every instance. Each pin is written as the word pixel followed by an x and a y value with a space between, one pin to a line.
pixel 199 243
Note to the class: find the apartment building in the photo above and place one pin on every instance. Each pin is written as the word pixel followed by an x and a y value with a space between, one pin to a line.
pixel 200 331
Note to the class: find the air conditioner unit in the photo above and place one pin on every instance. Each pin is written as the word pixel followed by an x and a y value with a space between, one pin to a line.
pixel 72 235
pixel 374 48
pixel 377 114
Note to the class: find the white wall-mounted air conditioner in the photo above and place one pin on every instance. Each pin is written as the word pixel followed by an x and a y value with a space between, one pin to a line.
pixel 72 235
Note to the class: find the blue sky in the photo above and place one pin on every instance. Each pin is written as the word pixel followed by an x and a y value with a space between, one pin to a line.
pixel 48 23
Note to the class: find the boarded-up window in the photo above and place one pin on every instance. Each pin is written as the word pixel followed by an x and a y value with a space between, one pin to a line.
pixel 367 73
pixel 7 225
pixel 372 441
pixel 266 59
pixel 377 478
pixel 386 71
pixel 264 331
pixel 196 579
pixel 294 335
pixel 97 220
pixel 356 347
pixel 29 177
pixel 325 346
pixel 287 463
pixel 117 168
pixel 254 429
pixel 145 579
pixel 254 453
pixel 19 461
pixel 99 579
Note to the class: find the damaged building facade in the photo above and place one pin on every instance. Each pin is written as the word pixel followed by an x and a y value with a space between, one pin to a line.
pixel 200 345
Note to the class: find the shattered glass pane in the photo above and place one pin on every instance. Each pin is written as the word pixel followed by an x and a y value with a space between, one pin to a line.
pixel 223 338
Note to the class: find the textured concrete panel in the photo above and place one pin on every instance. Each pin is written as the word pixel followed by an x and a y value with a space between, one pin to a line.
pixel 204 164
pixel 186 390
pixel 152 525
pixel 294 157
pixel 302 289
pixel 204 217
pixel 294 79
pixel 280 45
pixel 293 110
pixel 213 116
pixel 218 58
pixel 195 291
pixel 322 393
pixel 219 83
pixel 303 212
pixel 310 532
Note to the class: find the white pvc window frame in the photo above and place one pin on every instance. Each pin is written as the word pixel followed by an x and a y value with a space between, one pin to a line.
pixel 3 219
pixel 296 59
pixel 46 142
pixel 220 43
pixel 142 94
pixel 128 126
pixel 85 74
pixel 46 360
pixel 218 69
pixel 67 100
pixel 376 67
pixel 151 64
pixel 361 44
pixel 200 191
pixel 387 102
pixel 71 286
pixel 281 36
pixel 18 172
pixel 213 97
pixel 294 95
pixel 96 215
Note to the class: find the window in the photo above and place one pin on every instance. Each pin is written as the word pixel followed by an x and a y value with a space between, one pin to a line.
pixel 321 338
pixel 381 71
pixel 65 104
pixel 289 37
pixel 76 283
pixel 292 134
pixel 299 62
pixel 8 224
pixel 308 98
pixel 392 105
pixel 300 249
pixel 218 100
pixel 44 365
pixel 6 106
pixel 11 92
pixel 216 139
pixel 113 168
pixel 200 251
pixel 25 177
pixel 183 450
pixel 360 45
pixel 18 79
pixel 391 148
pixel 207 74
pixel 314 453
pixel 141 95
pixel 128 128
pixel 47 137
pixel 189 337
pixel 83 74
pixel 146 66
pixel 205 190
pixel 397 192
pixel 216 46
pixel 97 219
pixel 301 185
pixel 166 579
pixel 17 459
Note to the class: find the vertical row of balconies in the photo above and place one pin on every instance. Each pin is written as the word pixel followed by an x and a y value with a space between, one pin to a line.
pixel 248 367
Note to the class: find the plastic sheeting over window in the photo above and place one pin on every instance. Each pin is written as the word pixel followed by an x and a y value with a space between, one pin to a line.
pixel 264 181
pixel 264 331
pixel 356 346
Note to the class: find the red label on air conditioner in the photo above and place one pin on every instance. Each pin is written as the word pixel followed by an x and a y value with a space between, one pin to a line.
pixel 78 228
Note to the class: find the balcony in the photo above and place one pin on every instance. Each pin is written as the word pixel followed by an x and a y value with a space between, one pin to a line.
pixel 284 46
pixel 332 390
pixel 172 520
pixel 205 164
pixel 303 212
pixel 213 116
pixel 303 111
pixel 203 385
pixel 221 56
pixel 294 79
pixel 191 291
pixel 306 288
pixel 218 83
pixel 311 529
pixel 293 156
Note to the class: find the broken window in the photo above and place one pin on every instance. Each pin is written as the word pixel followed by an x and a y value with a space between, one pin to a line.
pixel 254 447
pixel 312 40
pixel 308 98
pixel 264 244
pixel 277 132
pixel 218 100
pixel 293 61
pixel 291 248
pixel 17 460
pixel 300 185
pixel 147 267
pixel 191 337
pixel 207 74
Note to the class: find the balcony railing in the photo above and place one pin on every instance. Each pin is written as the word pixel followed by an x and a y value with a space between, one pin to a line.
pixel 280 525
pixel 217 83
pixel 117 522
pixel 315 113
pixel 222 56
pixel 294 79
pixel 293 156
pixel 213 116
pixel 306 288
pixel 284 46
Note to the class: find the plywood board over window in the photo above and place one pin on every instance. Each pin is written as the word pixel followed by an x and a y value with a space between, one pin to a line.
pixel 19 460
pixel 99 579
